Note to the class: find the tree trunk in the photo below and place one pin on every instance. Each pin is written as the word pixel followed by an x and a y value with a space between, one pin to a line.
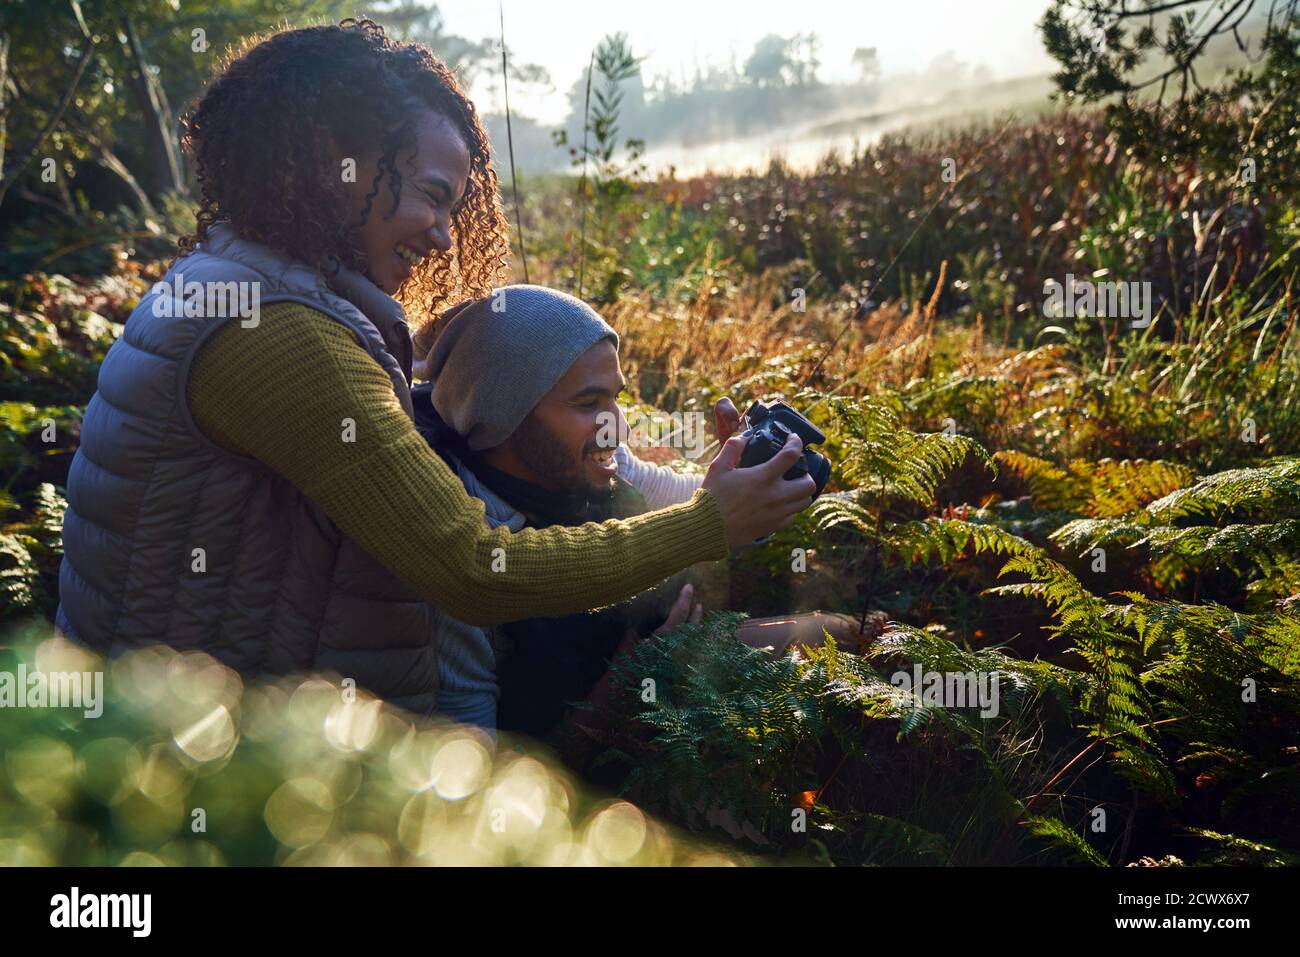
pixel 26 157
pixel 4 78
pixel 164 150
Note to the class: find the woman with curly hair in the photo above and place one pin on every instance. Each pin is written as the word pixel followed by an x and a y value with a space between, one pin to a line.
pixel 249 482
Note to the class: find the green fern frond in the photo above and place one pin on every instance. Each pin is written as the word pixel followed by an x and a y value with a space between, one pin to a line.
pixel 1280 644
pixel 1052 582
pixel 1105 488
pixel 1084 534
pixel 1059 834
pixel 1119 706
pixel 1238 851
pixel 842 510
pixel 1263 546
pixel 1050 486
pixel 1122 488
pixel 19 576
pixel 885 458
pixel 1271 492
pixel 944 540
pixel 1019 682
pixel 889 841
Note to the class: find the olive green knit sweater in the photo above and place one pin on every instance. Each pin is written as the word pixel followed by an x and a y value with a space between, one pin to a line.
pixel 300 394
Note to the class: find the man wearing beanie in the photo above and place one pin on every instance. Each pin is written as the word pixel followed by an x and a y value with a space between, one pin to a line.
pixel 509 352
pixel 522 404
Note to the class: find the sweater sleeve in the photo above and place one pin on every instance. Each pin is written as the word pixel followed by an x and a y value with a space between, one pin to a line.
pixel 300 394
pixel 659 485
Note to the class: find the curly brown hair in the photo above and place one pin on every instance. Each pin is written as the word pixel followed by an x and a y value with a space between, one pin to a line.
pixel 263 140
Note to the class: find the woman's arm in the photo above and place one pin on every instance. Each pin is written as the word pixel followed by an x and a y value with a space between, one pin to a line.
pixel 280 392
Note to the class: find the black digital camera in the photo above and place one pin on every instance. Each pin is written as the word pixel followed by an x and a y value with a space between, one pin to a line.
pixel 768 427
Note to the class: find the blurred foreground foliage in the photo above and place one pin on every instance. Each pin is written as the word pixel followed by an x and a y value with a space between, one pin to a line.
pixel 188 765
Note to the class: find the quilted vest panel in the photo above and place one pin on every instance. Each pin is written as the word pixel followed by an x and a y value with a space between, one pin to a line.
pixel 169 538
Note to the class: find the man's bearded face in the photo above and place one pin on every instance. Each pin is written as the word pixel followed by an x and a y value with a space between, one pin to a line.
pixel 567 441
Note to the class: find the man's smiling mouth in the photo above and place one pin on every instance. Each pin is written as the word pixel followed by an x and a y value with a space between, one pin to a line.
pixel 603 459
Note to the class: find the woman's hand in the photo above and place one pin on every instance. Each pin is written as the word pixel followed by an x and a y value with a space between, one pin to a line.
pixel 757 501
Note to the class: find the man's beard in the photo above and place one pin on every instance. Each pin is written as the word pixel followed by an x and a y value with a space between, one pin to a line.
pixel 543 453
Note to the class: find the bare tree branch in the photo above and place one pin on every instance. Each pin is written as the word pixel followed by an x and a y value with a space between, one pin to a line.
pixel 26 157
pixel 1182 65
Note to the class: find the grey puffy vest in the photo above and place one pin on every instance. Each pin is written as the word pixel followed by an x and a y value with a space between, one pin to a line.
pixel 276 587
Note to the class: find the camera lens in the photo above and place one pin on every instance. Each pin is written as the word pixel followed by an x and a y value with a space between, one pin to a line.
pixel 819 467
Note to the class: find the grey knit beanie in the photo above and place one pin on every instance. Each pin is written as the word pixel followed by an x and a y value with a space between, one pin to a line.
pixel 495 358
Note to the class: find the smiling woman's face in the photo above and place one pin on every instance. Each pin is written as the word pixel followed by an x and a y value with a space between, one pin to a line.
pixel 434 175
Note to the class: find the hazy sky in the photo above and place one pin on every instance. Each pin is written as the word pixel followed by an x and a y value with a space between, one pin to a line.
pixel 676 34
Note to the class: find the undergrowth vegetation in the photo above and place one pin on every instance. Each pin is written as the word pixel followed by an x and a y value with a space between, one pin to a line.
pixel 1158 717
pixel 1098 524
